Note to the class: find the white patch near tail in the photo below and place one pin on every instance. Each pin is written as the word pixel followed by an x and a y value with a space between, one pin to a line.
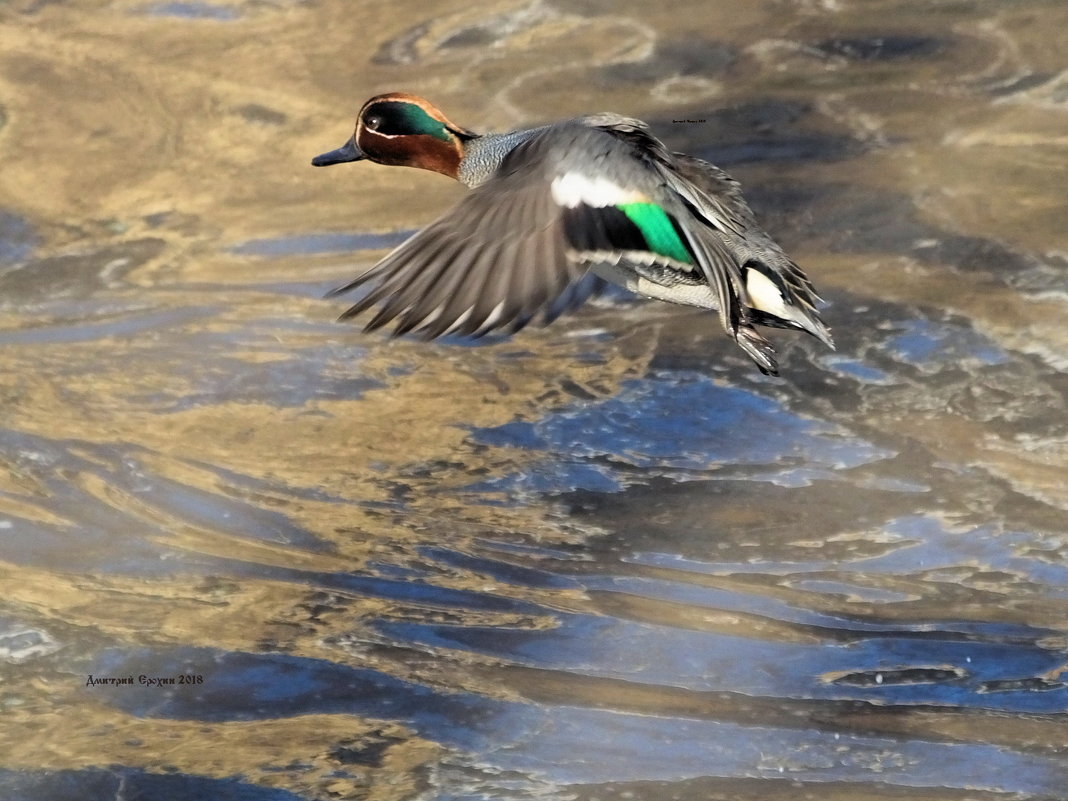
pixel 765 296
pixel 573 188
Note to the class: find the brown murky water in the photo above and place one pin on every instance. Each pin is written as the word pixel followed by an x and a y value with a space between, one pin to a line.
pixel 602 560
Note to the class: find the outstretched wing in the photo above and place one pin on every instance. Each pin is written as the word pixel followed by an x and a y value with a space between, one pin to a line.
pixel 497 260
pixel 600 189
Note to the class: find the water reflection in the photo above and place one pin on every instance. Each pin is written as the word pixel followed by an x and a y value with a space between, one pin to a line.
pixel 574 745
pixel 602 560
pixel 674 423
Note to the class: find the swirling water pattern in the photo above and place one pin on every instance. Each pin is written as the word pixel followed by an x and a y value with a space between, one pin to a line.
pixel 603 560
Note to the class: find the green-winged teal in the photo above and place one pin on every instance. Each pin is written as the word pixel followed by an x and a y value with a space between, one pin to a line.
pixel 551 205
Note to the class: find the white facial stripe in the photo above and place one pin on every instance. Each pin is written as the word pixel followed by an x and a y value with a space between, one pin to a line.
pixel 573 188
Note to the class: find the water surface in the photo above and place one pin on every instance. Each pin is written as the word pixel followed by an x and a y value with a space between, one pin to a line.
pixel 602 560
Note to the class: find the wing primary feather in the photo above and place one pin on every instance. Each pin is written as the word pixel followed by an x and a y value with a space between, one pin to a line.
pixel 427 300
pixel 475 297
pixel 488 300
pixel 401 283
pixel 398 253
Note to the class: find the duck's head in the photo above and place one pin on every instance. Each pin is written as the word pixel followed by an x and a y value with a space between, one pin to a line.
pixel 403 130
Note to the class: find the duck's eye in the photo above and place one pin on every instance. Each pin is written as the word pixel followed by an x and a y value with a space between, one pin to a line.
pixel 373 122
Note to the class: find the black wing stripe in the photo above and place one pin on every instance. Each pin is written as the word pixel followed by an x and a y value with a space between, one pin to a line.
pixel 603 228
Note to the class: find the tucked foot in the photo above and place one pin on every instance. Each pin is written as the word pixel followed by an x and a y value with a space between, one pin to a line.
pixel 758 348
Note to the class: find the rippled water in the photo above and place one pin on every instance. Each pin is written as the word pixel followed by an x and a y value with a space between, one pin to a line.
pixel 602 560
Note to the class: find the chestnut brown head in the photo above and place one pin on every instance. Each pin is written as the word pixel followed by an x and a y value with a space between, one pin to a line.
pixel 403 130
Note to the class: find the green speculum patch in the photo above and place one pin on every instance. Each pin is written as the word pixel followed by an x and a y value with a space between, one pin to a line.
pixel 657 229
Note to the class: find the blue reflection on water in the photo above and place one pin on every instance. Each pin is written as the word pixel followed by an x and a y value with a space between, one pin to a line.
pixel 501 571
pixel 311 244
pixel 116 782
pixel 113 531
pixel 561 744
pixel 918 544
pixel 304 376
pixel 130 324
pixel 190 9
pixel 713 662
pixel 929 545
pixel 670 420
pixel 857 369
pixel 927 342
pixel 17 238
